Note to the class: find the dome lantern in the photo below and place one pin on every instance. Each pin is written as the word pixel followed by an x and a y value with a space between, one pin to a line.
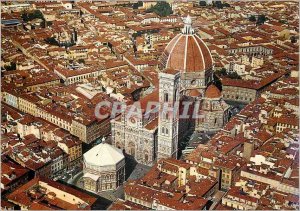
pixel 188 26
pixel 187 52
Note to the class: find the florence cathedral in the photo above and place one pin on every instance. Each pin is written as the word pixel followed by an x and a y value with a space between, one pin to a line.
pixel 186 73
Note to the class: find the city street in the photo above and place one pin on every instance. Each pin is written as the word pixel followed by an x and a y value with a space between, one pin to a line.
pixel 217 199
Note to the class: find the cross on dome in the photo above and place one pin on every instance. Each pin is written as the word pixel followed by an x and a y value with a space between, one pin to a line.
pixel 188 25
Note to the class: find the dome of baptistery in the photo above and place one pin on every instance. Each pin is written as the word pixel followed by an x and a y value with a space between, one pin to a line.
pixel 187 52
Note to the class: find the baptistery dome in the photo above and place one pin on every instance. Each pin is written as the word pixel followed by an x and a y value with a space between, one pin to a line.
pixel 187 52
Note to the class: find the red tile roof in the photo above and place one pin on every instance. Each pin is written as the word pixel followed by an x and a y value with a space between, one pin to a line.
pixel 187 53
pixel 212 92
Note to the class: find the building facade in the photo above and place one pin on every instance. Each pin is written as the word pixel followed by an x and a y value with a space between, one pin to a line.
pixel 137 135
pixel 103 168
pixel 186 69
pixel 214 110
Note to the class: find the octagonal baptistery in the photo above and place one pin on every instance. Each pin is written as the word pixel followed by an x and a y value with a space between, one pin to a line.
pixel 103 168
pixel 187 53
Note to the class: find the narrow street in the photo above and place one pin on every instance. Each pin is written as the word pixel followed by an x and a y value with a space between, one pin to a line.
pixel 216 199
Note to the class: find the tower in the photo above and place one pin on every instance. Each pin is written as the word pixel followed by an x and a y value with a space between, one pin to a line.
pixel 169 85
pixel 186 63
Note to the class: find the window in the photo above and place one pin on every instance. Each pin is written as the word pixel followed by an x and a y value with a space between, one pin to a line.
pixel 166 97
pixel 165 115
pixel 146 157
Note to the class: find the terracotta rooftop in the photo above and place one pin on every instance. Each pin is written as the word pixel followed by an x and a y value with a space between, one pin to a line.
pixel 187 53
pixel 212 92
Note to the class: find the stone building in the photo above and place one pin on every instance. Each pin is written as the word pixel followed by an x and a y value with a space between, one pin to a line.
pixel 103 168
pixel 255 50
pixel 239 90
pixel 186 69
pixel 138 135
pixel 214 109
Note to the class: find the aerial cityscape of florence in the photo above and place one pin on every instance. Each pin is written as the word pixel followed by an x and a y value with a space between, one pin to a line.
pixel 150 105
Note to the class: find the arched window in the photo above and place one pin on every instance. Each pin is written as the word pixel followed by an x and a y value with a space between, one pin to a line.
pixel 162 130
pixel 131 148
pixel 146 155
pixel 165 115
pixel 167 131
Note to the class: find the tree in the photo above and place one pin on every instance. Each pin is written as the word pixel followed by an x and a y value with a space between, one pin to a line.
pixel 12 66
pixel 81 61
pixel 218 4
pixel 252 18
pixel 293 39
pixel 261 19
pixel 137 5
pixel 226 4
pixel 234 75
pixel 202 3
pixel 36 14
pixel 49 23
pixel 162 8
pixel 51 41
pixel 221 72
pixel 283 21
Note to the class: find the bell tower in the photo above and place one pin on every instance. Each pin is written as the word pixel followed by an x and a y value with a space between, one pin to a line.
pixel 169 85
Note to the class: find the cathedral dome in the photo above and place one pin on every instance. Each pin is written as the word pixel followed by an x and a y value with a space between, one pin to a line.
pixel 187 52
pixel 212 92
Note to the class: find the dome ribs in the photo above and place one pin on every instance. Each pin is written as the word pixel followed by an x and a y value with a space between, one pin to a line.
pixel 206 54
pixel 195 57
pixel 187 53
pixel 176 59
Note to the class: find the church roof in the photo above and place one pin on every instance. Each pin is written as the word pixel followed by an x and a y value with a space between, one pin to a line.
pixel 103 155
pixel 212 92
pixel 187 52
pixel 194 93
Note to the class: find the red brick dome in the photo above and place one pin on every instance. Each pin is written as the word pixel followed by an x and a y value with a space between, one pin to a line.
pixel 187 52
pixel 194 93
pixel 212 92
